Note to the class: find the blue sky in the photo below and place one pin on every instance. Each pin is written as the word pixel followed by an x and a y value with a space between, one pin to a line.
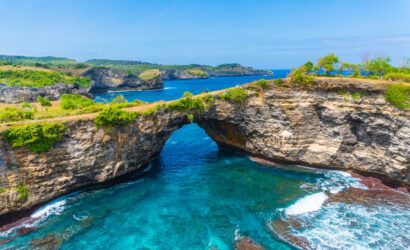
pixel 263 34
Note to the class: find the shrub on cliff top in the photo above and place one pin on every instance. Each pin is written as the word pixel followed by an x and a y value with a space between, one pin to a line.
pixel 187 104
pixel 44 101
pixel 398 95
pixel 38 137
pixel 263 84
pixel 119 99
pixel 299 78
pixel 398 76
pixel 113 116
pixel 11 114
pixel 236 95
pixel 75 101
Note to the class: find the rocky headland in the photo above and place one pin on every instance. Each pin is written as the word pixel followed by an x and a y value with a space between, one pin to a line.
pixel 322 126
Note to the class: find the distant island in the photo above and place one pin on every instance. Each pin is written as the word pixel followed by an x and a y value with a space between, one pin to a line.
pixel 24 78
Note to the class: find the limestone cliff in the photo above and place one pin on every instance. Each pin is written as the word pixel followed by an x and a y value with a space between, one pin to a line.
pixel 105 79
pixel 14 94
pixel 319 126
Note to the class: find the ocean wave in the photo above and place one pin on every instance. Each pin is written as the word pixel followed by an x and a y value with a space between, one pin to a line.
pixel 56 207
pixel 324 220
pixel 353 226
pixel 307 204
pixel 333 181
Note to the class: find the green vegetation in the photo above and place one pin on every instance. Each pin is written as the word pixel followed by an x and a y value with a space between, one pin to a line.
pixel 119 99
pixel 378 66
pixel 350 67
pixel 12 114
pixel 26 105
pixel 37 137
pixel 149 74
pixel 372 68
pixel 279 82
pixel 263 84
pixel 398 76
pixel 46 61
pixel 187 103
pixel 137 67
pixel 39 78
pixel 113 116
pixel 357 95
pixel 307 68
pixel 22 190
pixel 187 94
pixel 297 77
pixel 197 72
pixel 75 101
pixel 45 102
pixel 237 95
pixel 398 95
pixel 327 63
pixel 191 117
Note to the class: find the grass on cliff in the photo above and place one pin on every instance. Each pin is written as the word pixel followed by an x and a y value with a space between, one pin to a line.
pixel 12 114
pixel 237 95
pixel 69 104
pixel 39 78
pixel 113 116
pixel 37 137
pixel 398 95
pixel 75 101
pixel 149 74
pixel 398 76
pixel 197 72
pixel 299 78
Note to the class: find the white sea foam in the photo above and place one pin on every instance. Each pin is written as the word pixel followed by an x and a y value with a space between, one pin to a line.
pixel 80 217
pixel 361 227
pixel 53 208
pixel 307 204
pixel 237 234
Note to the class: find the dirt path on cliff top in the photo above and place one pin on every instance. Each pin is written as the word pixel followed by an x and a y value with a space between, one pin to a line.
pixel 91 116
pixel 377 84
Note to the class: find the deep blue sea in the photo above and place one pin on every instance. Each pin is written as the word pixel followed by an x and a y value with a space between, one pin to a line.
pixel 199 196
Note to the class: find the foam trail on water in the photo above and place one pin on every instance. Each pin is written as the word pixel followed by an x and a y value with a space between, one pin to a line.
pixel 307 204
pixel 53 208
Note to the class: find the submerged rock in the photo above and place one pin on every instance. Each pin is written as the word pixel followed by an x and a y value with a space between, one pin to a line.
pixel 246 243
pixel 48 242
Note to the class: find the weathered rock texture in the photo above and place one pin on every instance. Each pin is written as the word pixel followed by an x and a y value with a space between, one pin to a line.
pixel 319 128
pixel 12 94
pixel 314 127
pixel 105 79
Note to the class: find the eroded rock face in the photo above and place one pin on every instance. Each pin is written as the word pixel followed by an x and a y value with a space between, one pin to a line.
pixel 105 79
pixel 85 156
pixel 311 127
pixel 12 94
pixel 317 128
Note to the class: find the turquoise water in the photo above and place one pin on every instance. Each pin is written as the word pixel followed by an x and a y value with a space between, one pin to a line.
pixel 198 196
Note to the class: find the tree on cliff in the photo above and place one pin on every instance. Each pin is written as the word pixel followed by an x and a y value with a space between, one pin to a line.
pixel 327 63
pixel 350 67
pixel 307 67
pixel 378 66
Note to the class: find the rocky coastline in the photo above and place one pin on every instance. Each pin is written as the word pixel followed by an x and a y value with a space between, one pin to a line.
pixel 310 126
